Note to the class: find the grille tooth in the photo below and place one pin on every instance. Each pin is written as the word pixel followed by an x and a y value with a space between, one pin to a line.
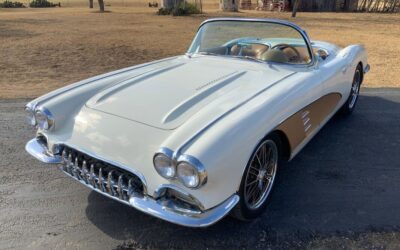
pixel 111 183
pixel 75 170
pixel 100 175
pixel 101 180
pixel 92 176
pixel 69 164
pixel 132 187
pixel 121 186
pixel 85 172
pixel 64 157
pixel 64 160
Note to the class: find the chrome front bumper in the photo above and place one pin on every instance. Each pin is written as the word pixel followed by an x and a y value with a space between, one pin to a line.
pixel 39 150
pixel 159 208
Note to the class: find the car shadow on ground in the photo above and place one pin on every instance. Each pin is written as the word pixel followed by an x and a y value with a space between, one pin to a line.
pixel 345 180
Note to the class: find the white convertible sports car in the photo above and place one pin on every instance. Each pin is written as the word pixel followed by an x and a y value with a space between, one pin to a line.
pixel 191 138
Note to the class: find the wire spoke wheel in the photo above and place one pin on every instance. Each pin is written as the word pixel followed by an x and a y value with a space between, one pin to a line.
pixel 355 89
pixel 260 175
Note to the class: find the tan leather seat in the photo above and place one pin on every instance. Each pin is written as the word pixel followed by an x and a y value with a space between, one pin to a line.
pixel 275 55
pixel 252 50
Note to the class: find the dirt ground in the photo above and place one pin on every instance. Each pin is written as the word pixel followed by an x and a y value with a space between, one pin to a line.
pixel 43 49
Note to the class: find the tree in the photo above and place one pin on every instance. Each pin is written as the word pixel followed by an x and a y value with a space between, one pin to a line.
pixel 91 4
pixel 101 5
pixel 295 6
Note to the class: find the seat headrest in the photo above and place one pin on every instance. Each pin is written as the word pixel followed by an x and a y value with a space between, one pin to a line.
pixel 274 55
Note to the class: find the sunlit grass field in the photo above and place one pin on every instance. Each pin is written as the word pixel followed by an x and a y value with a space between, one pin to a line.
pixel 43 49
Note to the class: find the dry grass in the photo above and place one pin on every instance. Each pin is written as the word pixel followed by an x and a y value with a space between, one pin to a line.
pixel 43 49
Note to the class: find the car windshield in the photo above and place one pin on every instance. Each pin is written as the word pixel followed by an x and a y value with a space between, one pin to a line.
pixel 261 41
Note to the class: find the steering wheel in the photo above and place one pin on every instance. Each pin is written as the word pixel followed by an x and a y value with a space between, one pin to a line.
pixel 282 46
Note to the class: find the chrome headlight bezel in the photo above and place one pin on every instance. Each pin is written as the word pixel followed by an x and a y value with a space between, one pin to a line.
pixel 44 118
pixel 168 170
pixel 176 168
pixel 30 115
pixel 199 177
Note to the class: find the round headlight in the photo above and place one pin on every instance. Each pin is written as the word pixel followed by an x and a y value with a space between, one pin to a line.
pixel 188 175
pixel 30 116
pixel 164 166
pixel 44 119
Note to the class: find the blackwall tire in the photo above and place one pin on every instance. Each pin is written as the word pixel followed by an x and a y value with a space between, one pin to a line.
pixel 258 179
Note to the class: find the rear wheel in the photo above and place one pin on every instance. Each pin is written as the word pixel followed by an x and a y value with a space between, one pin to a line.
pixel 351 102
pixel 258 179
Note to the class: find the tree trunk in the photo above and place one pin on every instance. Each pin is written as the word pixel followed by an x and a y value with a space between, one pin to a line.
pixel 295 6
pixel 363 5
pixel 369 5
pixel 91 4
pixel 377 5
pixel 385 6
pixel 101 5
pixel 393 7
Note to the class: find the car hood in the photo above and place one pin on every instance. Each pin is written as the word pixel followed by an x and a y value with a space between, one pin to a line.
pixel 167 96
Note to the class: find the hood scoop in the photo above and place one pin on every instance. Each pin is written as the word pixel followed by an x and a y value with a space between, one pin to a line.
pixel 208 89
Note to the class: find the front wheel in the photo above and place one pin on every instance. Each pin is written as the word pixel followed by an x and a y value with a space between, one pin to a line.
pixel 258 179
pixel 351 102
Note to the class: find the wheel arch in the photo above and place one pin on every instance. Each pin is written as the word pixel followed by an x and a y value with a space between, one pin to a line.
pixel 285 145
pixel 362 71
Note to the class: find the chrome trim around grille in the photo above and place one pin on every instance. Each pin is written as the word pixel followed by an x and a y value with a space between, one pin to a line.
pixel 121 185
pixel 101 176
pixel 100 158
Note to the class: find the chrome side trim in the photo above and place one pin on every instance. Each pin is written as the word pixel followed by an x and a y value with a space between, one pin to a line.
pixel 40 152
pixel 311 135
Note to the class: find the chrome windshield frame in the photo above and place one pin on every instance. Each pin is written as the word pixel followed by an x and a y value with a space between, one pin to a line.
pixel 302 32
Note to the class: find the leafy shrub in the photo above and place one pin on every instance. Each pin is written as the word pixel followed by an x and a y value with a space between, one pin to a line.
pixel 183 9
pixel 42 4
pixel 164 11
pixel 10 4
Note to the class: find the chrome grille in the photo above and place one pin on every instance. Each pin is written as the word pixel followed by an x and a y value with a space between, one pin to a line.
pixel 100 175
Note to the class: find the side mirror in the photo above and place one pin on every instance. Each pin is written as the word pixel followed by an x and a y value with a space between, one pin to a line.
pixel 322 53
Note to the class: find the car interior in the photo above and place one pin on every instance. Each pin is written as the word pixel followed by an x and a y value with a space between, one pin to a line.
pixel 281 52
